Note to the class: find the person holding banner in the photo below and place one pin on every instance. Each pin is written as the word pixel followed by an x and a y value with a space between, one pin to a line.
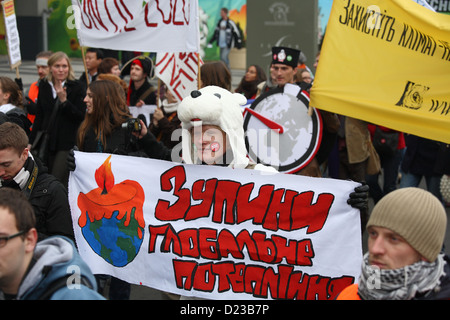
pixel 50 269
pixel 212 134
pixel 93 59
pixel 405 260
pixel 102 131
pixel 212 129
pixel 33 91
pixel 106 112
pixel 62 95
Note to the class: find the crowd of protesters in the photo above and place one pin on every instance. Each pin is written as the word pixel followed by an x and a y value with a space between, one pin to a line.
pixel 40 127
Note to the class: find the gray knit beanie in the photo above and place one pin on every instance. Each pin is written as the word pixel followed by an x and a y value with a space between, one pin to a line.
pixel 416 215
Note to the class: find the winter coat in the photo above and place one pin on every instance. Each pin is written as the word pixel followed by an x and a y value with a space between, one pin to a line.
pixel 70 114
pixel 144 93
pixel 421 156
pixel 50 202
pixel 232 34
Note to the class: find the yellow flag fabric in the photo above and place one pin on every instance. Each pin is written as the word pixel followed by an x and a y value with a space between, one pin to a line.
pixel 388 63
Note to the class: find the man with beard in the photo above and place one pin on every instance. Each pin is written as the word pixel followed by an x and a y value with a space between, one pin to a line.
pixel 140 91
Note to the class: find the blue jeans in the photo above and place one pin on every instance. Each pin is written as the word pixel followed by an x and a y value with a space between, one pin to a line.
pixel 432 182
pixel 224 52
pixel 390 166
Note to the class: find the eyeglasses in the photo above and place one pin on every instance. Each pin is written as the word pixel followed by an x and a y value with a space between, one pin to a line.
pixel 4 240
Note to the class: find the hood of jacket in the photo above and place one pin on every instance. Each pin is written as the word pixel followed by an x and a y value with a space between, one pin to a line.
pixel 56 257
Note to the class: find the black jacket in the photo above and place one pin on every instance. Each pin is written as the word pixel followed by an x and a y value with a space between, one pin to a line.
pixel 232 34
pixel 136 95
pixel 424 156
pixel 443 291
pixel 50 202
pixel 70 114
pixel 116 142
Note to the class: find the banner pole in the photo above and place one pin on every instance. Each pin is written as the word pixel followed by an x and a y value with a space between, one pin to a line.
pixel 84 63
pixel 198 72
pixel 158 94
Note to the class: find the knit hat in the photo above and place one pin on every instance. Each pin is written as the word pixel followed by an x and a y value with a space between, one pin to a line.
pixel 284 55
pixel 416 215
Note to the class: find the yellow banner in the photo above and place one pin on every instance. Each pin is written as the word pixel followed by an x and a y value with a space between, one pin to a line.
pixel 388 63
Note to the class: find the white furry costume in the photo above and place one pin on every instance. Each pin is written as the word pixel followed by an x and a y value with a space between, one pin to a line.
pixel 213 105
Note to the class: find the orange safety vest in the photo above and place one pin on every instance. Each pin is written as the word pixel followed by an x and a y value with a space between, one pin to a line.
pixel 349 293
pixel 33 94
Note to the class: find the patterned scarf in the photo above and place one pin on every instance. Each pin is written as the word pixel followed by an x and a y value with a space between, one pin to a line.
pixel 399 284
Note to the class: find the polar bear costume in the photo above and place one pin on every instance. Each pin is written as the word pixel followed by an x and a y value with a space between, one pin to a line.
pixel 214 105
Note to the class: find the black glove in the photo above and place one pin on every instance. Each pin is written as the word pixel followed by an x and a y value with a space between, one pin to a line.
pixel 71 159
pixel 19 83
pixel 359 199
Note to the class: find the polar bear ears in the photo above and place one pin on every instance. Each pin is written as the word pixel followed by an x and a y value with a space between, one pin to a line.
pixel 210 104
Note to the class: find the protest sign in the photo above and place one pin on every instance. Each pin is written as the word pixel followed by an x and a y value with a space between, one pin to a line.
pixel 214 232
pixel 12 34
pixel 388 63
pixel 179 72
pixel 145 110
pixel 138 25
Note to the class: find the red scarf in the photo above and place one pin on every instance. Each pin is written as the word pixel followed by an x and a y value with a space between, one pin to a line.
pixel 139 63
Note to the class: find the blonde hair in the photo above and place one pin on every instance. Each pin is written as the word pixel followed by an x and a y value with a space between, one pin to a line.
pixel 56 57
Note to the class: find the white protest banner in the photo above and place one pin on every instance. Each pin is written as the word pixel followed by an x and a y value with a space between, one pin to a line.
pixel 147 26
pixel 214 232
pixel 179 71
pixel 12 34
pixel 146 110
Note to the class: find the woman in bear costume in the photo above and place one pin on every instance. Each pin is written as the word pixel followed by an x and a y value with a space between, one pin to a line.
pixel 213 133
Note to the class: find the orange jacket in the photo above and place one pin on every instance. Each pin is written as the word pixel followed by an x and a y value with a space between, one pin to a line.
pixel 33 94
pixel 349 293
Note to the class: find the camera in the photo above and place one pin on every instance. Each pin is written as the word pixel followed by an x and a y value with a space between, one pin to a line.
pixel 132 125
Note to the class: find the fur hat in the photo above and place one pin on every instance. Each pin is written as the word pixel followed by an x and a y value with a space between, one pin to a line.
pixel 416 215
pixel 214 105
pixel 285 56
